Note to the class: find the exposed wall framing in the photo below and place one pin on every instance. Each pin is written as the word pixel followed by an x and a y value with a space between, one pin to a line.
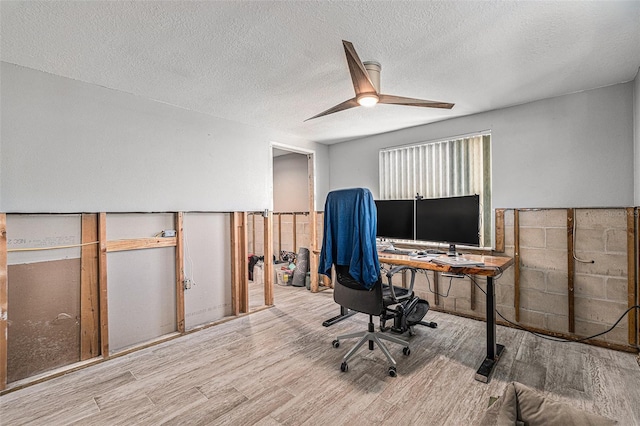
pixel 3 301
pixel 571 270
pixel 89 289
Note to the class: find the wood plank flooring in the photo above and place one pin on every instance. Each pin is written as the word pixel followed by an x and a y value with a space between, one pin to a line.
pixel 277 367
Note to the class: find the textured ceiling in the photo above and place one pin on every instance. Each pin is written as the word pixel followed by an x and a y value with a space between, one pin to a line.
pixel 276 63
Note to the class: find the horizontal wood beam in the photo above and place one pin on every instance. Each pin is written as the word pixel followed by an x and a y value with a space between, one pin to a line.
pixel 141 243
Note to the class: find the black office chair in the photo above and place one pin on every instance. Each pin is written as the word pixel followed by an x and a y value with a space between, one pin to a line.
pixel 349 293
pixel 349 245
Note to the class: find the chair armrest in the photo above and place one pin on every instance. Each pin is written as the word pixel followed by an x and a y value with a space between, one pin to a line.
pixel 395 270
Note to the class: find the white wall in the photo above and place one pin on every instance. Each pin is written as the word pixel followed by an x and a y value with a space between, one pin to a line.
pixel 636 136
pixel 569 151
pixel 69 146
pixel 291 183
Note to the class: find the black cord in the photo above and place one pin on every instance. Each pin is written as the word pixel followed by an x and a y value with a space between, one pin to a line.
pixel 557 339
pixel 432 290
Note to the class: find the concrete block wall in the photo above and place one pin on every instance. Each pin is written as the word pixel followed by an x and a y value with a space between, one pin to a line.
pixel 600 287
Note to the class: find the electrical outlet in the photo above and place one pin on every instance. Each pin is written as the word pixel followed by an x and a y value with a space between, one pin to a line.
pixel 187 284
pixel 169 233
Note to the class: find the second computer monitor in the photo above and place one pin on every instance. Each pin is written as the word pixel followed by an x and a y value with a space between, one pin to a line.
pixel 395 219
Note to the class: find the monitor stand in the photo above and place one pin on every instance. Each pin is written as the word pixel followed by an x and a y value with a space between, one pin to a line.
pixel 452 250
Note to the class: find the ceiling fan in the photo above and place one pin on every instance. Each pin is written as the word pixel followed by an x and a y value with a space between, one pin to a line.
pixel 366 83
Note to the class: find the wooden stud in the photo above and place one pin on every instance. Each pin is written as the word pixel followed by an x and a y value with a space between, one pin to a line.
pixel 473 294
pixel 180 271
pixel 516 262
pixel 571 269
pixel 244 263
pixel 141 243
pixel 279 234
pixel 313 229
pixel 4 290
pixel 436 290
pixel 499 230
pixel 235 285
pixel 102 283
pixel 239 263
pixel 637 222
pixel 89 290
pixel 295 232
pixel 632 295
pixel 268 259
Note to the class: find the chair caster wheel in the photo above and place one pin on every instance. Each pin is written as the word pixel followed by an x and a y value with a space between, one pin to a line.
pixel 406 350
pixel 344 367
pixel 392 372
pixel 336 344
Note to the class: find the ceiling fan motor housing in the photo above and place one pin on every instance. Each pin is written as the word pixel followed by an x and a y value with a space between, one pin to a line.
pixel 373 69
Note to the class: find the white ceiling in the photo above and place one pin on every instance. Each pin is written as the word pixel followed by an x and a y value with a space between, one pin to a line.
pixel 276 63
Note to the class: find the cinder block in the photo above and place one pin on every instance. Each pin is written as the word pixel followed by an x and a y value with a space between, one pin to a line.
pixel 617 289
pixel 532 237
pixel 507 277
pixel 504 295
pixel 464 305
pixel 508 236
pixel 538 301
pixel 592 286
pixel 617 335
pixel 507 311
pixel 448 303
pixel 532 218
pixel 546 218
pixel 556 238
pixel 602 311
pixel 508 218
pixel 532 278
pixel 557 282
pixel 531 318
pixel 587 240
pixel 558 323
pixel 616 240
pixel 604 264
pixel 601 218
pixel 544 259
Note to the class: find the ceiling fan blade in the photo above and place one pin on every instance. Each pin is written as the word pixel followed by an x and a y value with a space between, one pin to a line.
pixel 401 100
pixel 359 76
pixel 340 107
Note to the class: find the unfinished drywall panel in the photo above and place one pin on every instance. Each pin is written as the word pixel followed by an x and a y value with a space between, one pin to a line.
pixel 43 293
pixel 122 226
pixel 207 271
pixel 142 296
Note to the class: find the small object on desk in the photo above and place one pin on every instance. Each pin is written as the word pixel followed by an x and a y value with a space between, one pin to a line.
pixel 456 261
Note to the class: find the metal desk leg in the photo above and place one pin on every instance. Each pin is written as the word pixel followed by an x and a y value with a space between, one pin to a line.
pixel 344 313
pixel 494 350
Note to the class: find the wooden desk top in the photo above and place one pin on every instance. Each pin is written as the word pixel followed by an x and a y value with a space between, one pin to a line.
pixel 493 265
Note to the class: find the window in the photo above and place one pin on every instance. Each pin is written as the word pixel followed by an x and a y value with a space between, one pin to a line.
pixel 441 169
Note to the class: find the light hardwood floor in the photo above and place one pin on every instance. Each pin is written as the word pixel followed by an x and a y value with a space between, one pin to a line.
pixel 277 367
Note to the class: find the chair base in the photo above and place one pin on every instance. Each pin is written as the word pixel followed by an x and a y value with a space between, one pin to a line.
pixel 372 337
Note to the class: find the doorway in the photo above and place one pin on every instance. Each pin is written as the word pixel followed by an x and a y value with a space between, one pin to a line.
pixel 293 215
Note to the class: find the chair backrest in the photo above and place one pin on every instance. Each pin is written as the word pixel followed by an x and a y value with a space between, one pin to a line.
pixel 349 243
pixel 351 294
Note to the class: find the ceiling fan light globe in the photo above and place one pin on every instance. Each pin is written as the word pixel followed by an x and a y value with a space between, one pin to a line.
pixel 368 100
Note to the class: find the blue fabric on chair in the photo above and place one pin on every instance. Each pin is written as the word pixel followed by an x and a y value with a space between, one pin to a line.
pixel 350 235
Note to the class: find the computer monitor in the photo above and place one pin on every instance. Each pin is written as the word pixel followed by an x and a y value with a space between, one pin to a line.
pixel 395 219
pixel 454 220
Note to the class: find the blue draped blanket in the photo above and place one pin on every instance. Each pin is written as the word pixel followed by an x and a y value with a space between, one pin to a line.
pixel 350 235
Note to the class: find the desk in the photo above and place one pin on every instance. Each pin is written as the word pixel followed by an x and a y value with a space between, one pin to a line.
pixel 493 265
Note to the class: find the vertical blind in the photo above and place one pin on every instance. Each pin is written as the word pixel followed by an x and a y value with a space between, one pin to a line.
pixel 440 169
